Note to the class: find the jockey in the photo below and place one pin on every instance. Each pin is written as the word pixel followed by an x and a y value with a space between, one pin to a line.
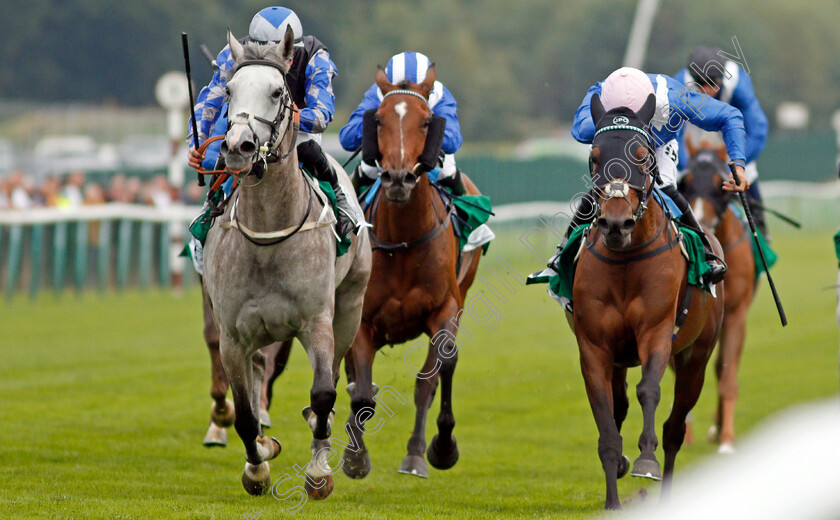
pixel 412 67
pixel 675 104
pixel 708 72
pixel 310 82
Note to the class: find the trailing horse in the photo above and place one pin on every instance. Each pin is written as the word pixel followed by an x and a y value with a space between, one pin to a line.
pixel 702 185
pixel 419 281
pixel 630 282
pixel 269 286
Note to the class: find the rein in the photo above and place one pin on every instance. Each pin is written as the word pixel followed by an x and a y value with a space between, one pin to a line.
pixel 433 233
pixel 673 241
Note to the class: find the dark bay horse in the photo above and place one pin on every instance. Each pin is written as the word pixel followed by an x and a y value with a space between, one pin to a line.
pixel 415 287
pixel 270 267
pixel 702 185
pixel 222 411
pixel 629 284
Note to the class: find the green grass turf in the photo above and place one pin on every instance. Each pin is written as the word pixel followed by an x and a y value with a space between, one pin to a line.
pixel 104 403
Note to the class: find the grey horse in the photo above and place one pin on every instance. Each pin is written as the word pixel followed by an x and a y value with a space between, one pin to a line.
pixel 265 286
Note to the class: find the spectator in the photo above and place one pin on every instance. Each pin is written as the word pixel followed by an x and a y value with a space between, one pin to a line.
pixel 73 189
pixel 20 190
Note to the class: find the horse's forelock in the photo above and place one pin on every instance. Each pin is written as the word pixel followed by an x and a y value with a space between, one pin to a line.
pixel 268 52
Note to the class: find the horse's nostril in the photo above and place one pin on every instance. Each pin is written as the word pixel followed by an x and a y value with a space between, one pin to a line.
pixel 225 148
pixel 386 177
pixel 602 223
pixel 628 224
pixel 247 148
pixel 410 179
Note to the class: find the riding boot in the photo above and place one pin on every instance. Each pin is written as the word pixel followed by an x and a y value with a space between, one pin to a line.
pixel 716 264
pixel 584 214
pixel 455 183
pixel 314 160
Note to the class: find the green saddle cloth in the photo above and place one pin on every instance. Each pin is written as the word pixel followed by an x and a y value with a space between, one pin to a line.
pixel 560 283
pixel 837 246
pixel 472 211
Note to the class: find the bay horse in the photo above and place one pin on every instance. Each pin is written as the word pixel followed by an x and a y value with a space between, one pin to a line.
pixel 222 410
pixel 415 287
pixel 702 185
pixel 268 286
pixel 630 281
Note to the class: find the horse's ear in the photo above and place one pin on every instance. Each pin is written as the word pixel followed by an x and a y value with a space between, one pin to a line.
pixel 690 146
pixel 382 80
pixel 648 109
pixel 288 44
pixel 429 82
pixel 236 49
pixel 596 108
pixel 723 154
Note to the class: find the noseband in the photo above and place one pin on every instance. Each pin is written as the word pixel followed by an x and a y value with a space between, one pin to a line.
pixel 267 152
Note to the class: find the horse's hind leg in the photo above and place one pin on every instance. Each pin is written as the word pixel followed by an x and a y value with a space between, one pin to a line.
pixel 620 407
pixel 222 410
pixel 690 369
pixel 729 358
pixel 276 357
pixel 246 380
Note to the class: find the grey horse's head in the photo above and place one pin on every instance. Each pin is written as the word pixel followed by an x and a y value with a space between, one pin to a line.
pixel 260 105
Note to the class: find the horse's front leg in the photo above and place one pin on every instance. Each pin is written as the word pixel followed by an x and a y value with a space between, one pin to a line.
pixel 318 341
pixel 443 450
pixel 596 365
pixel 362 391
pixel 246 374
pixel 654 353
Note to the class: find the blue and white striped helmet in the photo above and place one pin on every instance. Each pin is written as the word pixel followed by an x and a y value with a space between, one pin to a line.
pixel 269 25
pixel 411 66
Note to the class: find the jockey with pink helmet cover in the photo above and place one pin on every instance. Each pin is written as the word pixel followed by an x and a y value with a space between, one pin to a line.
pixel 411 67
pixel 675 104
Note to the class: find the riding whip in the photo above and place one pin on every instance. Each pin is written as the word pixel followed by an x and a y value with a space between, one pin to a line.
pixel 192 103
pixel 746 204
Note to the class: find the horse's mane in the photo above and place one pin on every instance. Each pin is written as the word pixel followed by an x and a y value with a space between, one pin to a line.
pixel 268 52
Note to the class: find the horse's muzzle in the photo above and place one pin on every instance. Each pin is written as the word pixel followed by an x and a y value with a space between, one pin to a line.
pixel 616 231
pixel 239 148
pixel 398 184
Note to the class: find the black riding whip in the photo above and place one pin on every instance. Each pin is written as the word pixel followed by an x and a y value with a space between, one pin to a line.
pixel 772 211
pixel 746 204
pixel 192 103
pixel 353 156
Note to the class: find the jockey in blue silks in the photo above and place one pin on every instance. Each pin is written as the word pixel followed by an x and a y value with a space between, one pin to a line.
pixel 412 67
pixel 675 104
pixel 710 73
pixel 310 82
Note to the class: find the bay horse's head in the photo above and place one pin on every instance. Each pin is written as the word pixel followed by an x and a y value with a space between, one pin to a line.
pixel 408 135
pixel 260 108
pixel 622 164
pixel 702 184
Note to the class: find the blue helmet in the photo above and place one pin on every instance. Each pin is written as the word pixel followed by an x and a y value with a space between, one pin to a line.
pixel 269 25
pixel 411 66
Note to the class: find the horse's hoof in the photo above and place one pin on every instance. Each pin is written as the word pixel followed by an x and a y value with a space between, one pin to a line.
pixel 623 466
pixel 272 445
pixel 319 489
pixel 256 479
pixel 713 436
pixel 442 457
pixel 646 468
pixel 216 436
pixel 414 465
pixel 356 464
pixel 726 448
pixel 224 417
pixel 265 419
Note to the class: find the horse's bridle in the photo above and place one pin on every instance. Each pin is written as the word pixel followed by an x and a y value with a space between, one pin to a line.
pixel 267 152
pixel 620 188
pixel 405 92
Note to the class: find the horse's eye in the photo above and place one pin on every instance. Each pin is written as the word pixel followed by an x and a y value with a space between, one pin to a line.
pixel 427 123
pixel 227 91
pixel 277 93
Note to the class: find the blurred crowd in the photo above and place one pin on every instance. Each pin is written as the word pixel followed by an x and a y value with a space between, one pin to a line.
pixel 19 192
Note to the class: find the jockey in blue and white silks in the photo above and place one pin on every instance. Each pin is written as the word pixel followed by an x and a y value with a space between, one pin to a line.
pixel 410 66
pixel 711 73
pixel 675 104
pixel 310 83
